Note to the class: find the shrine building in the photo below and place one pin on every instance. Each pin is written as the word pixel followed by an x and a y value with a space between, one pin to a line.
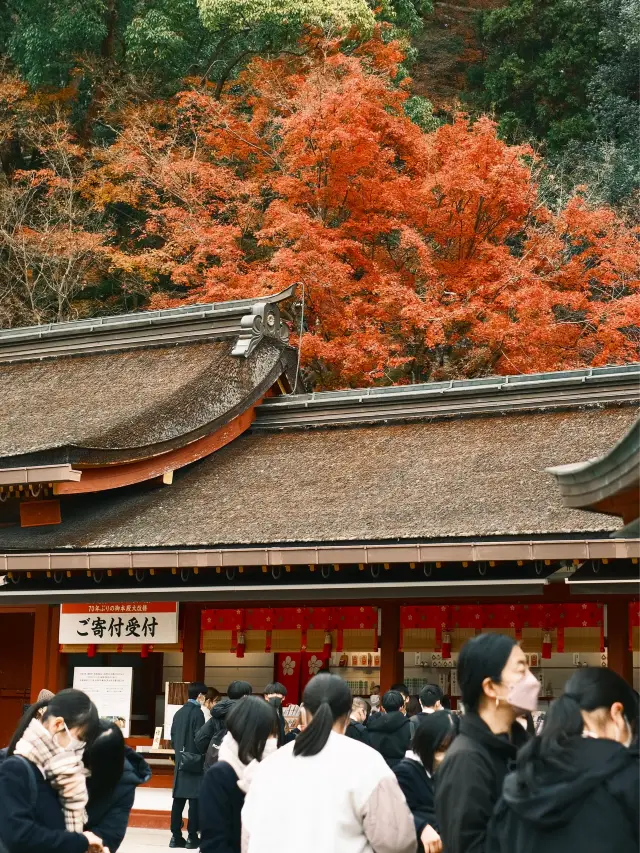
pixel 173 502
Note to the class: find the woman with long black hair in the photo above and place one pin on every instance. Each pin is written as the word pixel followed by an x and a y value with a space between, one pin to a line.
pixel 497 686
pixel 576 785
pixel 116 771
pixel 43 788
pixel 347 798
pixel 415 774
pixel 252 735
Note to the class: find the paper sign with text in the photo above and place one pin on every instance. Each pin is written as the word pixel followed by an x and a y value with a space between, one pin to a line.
pixel 146 623
pixel 110 688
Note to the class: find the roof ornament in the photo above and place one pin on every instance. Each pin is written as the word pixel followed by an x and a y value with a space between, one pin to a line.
pixel 264 321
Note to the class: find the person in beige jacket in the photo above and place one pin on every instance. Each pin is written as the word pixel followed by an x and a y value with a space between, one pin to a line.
pixel 344 798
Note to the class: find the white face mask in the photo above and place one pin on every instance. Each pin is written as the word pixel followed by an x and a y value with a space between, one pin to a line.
pixel 74 745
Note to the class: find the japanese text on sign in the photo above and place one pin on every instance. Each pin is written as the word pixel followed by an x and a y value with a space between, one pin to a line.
pixel 119 624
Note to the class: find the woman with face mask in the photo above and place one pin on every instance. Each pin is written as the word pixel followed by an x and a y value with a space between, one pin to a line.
pixel 576 784
pixel 415 774
pixel 497 687
pixel 43 785
pixel 252 735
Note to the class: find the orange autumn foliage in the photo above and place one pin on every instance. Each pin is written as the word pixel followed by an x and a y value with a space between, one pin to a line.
pixel 419 256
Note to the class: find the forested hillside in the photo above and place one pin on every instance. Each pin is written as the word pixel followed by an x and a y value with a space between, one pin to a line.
pixel 453 186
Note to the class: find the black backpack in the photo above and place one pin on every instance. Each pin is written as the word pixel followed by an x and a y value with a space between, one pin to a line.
pixel 213 750
pixel 33 785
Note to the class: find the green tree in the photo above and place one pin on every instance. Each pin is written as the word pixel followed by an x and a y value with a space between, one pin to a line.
pixel 565 73
pixel 540 57
pixel 46 38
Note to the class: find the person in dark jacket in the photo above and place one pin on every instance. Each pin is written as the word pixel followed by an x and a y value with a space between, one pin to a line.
pixel 496 687
pixel 576 786
pixel 430 702
pixel 390 732
pixel 356 727
pixel 416 771
pixel 217 726
pixel 189 768
pixel 116 771
pixel 32 819
pixel 252 733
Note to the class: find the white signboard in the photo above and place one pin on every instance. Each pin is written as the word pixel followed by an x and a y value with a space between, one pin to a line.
pixel 110 690
pixel 140 623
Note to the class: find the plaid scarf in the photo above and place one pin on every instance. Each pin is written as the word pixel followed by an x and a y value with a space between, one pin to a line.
pixel 62 768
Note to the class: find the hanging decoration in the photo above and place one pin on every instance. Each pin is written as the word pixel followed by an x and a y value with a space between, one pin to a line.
pixel 326 649
pixel 240 644
pixel 446 644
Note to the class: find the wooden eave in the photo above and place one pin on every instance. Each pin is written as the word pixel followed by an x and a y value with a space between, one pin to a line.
pixel 28 474
pixel 418 552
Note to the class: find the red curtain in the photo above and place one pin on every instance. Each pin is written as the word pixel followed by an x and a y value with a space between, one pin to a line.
pixel 547 617
pixel 286 670
pixel 304 619
pixel 295 670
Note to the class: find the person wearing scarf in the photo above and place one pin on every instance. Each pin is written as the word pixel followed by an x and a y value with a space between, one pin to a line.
pixel 62 767
pixel 251 737
pixel 43 785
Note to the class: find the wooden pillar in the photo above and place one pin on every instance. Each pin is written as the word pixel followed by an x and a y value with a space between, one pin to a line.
pixel 57 668
pixel 391 660
pixel 620 656
pixel 46 666
pixel 192 658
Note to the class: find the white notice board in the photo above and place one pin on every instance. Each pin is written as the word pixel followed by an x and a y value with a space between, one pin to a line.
pixel 109 688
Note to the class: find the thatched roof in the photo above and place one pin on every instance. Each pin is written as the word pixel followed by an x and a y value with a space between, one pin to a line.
pixel 117 406
pixel 469 478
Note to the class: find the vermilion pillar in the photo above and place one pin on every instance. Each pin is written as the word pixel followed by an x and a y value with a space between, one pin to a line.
pixel 47 668
pixel 620 656
pixel 192 658
pixel 391 660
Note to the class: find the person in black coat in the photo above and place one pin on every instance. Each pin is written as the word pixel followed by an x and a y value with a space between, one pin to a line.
pixel 576 786
pixel 216 726
pixel 416 771
pixel 496 687
pixel 116 771
pixel 31 814
pixel 390 733
pixel 252 733
pixel 430 701
pixel 356 727
pixel 189 768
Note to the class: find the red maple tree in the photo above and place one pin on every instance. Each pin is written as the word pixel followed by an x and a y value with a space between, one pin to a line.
pixel 419 255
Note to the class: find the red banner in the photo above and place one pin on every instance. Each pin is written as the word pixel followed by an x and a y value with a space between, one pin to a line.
pixel 303 619
pixel 287 671
pixel 586 615
pixel 486 617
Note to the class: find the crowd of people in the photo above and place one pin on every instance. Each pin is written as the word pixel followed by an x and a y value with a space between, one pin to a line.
pixel 353 776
